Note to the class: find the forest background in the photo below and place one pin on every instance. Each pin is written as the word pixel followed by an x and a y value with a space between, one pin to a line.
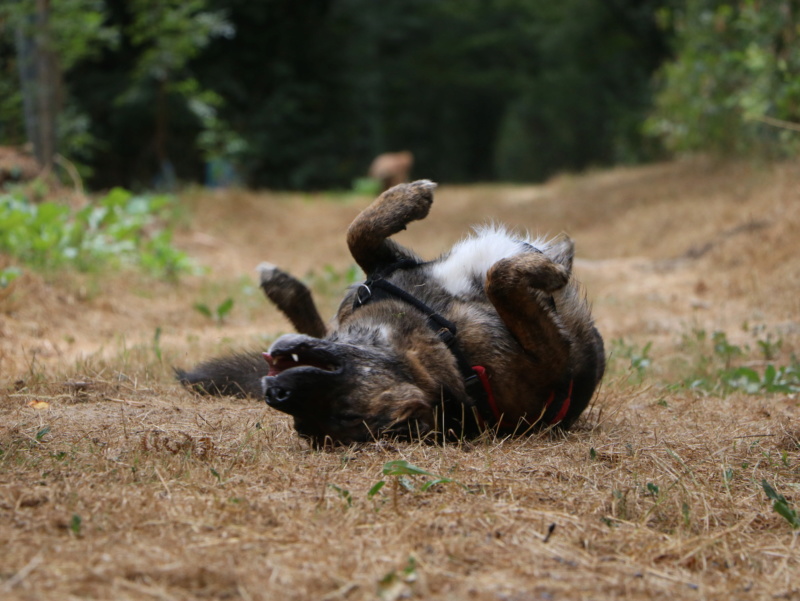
pixel 301 95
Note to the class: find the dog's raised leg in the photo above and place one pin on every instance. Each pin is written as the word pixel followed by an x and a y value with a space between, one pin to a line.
pixel 519 287
pixel 293 299
pixel 368 235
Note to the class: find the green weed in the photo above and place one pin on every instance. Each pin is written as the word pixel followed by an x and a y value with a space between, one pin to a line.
pixel 117 229
pixel 781 506
pixel 329 283
pixel 75 524
pixel 343 493
pixel 220 312
pixel 42 433
pixel 639 360
pixel 157 343
pixel 8 275
pixel 784 379
pixel 330 278
pixel 401 469
pixel 366 186
pixel 399 585
pixel 403 475
pixel 722 367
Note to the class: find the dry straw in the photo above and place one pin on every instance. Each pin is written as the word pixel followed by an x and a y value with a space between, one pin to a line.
pixel 117 484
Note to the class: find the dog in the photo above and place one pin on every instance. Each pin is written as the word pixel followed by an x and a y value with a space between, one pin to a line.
pixel 391 168
pixel 496 335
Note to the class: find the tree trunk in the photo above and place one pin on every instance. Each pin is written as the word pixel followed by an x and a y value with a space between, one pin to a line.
pixel 39 79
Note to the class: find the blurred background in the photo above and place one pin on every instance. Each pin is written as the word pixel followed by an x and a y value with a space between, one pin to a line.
pixel 292 94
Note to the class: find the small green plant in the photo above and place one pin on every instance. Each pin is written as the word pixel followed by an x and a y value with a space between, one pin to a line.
pixel 42 433
pixel 331 282
pixel 781 506
pixel 396 585
pixel 401 469
pixel 157 343
pixel 639 359
pixel 403 474
pixel 724 349
pixel 686 514
pixel 8 275
pixel 343 493
pixel 376 488
pixel 770 348
pixel 75 524
pixel 366 186
pixel 220 312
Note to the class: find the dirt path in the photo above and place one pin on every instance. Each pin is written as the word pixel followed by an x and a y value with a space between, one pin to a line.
pixel 661 249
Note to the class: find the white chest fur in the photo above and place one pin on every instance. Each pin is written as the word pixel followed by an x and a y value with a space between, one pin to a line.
pixel 470 260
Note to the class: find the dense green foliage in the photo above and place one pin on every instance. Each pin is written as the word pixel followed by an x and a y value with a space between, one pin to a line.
pixel 304 94
pixel 737 64
pixel 117 229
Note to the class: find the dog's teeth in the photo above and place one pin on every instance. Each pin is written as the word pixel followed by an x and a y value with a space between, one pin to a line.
pixel 295 358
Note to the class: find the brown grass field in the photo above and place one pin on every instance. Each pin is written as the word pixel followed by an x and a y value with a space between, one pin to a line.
pixel 115 483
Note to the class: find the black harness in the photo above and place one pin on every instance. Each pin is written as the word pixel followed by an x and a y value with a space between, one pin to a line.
pixel 378 287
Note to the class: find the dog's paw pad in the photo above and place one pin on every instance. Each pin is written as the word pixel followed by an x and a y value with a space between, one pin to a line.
pixel 267 271
pixel 425 183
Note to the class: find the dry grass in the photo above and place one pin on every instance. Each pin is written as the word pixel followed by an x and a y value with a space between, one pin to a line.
pixel 117 484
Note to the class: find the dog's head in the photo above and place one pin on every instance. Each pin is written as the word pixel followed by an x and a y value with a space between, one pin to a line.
pixel 353 392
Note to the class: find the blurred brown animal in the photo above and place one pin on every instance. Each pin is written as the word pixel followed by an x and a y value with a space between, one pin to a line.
pixel 17 165
pixel 496 333
pixel 392 168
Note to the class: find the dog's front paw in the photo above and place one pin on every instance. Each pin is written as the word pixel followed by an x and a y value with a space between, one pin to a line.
pixel 532 269
pixel 277 284
pixel 268 273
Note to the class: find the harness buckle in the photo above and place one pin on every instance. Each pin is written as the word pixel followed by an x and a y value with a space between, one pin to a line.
pixel 471 380
pixel 363 294
pixel 446 335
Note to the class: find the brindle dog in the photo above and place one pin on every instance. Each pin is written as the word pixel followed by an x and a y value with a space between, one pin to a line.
pixel 494 334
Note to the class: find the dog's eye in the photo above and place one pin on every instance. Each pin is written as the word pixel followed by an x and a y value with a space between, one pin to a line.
pixel 348 417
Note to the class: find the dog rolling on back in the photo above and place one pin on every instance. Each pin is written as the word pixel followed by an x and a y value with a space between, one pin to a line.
pixel 494 334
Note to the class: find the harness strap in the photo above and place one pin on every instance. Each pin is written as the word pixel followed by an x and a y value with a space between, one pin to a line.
pixel 483 378
pixel 553 413
pixel 445 329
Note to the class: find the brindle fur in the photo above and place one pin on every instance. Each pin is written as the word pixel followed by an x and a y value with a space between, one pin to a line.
pixel 381 369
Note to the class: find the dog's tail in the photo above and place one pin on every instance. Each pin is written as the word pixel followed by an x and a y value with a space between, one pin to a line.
pixel 233 375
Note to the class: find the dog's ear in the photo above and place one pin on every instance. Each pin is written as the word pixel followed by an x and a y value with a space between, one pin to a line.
pixel 562 251
pixel 409 404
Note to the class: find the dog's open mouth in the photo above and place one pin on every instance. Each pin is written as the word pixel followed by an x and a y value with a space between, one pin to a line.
pixel 281 361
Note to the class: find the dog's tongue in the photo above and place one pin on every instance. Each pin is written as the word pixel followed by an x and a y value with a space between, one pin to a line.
pixel 280 363
pixel 273 370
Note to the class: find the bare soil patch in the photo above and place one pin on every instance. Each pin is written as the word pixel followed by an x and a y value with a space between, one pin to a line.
pixel 117 484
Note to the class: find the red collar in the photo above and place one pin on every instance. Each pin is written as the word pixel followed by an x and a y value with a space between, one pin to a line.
pixel 560 409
